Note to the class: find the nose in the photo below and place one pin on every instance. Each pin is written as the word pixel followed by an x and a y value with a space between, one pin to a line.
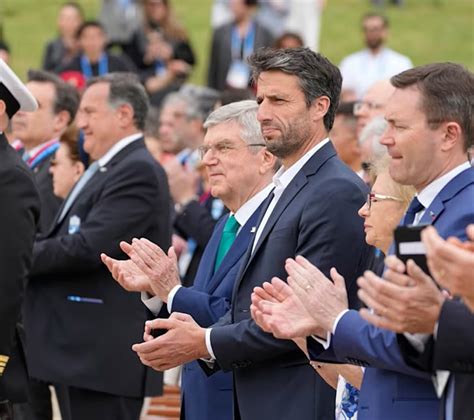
pixel 386 139
pixel 364 211
pixel 80 120
pixel 263 113
pixel 209 158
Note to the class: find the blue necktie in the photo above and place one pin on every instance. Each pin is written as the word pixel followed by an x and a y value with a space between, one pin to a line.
pixel 83 180
pixel 414 207
pixel 227 239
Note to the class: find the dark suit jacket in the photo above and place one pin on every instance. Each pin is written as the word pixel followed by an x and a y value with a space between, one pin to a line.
pixel 453 350
pixel 197 222
pixel 49 202
pixel 19 215
pixel 391 388
pixel 221 52
pixel 315 217
pixel 85 343
pixel 211 397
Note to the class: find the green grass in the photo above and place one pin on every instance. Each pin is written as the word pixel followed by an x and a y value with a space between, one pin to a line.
pixel 425 30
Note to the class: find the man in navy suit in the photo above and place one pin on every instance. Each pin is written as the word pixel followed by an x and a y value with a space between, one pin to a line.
pixel 312 211
pixel 240 173
pixel 72 303
pixel 429 133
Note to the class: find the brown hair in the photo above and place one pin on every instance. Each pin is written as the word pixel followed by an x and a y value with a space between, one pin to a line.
pixel 447 91
pixel 70 139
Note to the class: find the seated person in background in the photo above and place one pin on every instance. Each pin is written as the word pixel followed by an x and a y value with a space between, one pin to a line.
pixel 289 40
pixel 94 60
pixel 161 51
pixel 59 51
pixel 344 137
pixel 69 162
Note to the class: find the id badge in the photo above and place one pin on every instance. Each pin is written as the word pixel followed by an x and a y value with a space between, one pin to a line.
pixel 238 75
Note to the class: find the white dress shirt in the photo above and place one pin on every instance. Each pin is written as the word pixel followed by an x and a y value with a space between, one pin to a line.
pixel 362 69
pixel 117 147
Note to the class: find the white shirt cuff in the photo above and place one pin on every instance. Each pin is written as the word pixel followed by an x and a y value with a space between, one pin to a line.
pixel 208 346
pixel 153 303
pixel 171 295
pixel 327 343
pixel 338 318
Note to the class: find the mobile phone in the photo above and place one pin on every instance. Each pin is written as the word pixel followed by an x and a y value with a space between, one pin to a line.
pixel 408 245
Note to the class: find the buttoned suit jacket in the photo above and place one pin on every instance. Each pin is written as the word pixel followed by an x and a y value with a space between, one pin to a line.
pixel 209 299
pixel 316 217
pixel 80 323
pixel 392 389
pixel 19 216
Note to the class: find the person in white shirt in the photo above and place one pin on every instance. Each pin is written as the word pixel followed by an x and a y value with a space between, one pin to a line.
pixel 376 62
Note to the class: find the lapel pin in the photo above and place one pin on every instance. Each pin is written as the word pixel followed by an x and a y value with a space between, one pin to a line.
pixel 433 216
pixel 103 169
pixel 253 229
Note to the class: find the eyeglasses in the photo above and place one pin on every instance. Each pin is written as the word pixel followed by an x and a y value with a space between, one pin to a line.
pixel 223 148
pixel 370 105
pixel 374 197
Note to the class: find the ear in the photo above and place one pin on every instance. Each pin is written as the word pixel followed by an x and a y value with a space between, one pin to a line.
pixel 452 136
pixel 61 121
pixel 268 161
pixel 3 116
pixel 319 108
pixel 125 115
pixel 79 169
pixel 3 106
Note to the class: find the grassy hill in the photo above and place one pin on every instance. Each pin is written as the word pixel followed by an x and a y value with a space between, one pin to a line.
pixel 425 30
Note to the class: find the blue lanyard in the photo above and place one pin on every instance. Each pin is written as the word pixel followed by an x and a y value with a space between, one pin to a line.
pixel 239 53
pixel 160 68
pixel 86 67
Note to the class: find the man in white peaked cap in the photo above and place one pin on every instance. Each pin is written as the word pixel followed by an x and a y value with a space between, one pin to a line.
pixel 19 213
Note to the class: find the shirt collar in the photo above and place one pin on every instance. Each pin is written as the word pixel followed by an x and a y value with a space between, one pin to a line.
pixel 117 147
pixel 284 176
pixel 428 194
pixel 36 149
pixel 243 214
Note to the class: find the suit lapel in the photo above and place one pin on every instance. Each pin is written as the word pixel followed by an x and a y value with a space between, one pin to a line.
pixel 96 180
pixel 236 251
pixel 453 187
pixel 298 182
pixel 208 259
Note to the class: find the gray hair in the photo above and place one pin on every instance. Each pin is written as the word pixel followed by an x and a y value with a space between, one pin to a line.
pixel 243 113
pixel 373 132
pixel 190 103
pixel 125 88
pixel 206 97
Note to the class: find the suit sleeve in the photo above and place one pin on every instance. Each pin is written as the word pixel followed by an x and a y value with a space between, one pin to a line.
pixel 360 343
pixel 19 213
pixel 325 229
pixel 121 210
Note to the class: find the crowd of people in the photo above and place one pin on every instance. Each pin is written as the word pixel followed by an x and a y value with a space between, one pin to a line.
pixel 294 240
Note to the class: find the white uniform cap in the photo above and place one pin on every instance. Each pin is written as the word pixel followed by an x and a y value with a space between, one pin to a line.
pixel 14 93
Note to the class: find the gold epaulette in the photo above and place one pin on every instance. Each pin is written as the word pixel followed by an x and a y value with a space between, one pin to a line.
pixel 3 363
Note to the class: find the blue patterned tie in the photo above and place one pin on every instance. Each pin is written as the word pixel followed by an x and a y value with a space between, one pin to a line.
pixel 415 207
